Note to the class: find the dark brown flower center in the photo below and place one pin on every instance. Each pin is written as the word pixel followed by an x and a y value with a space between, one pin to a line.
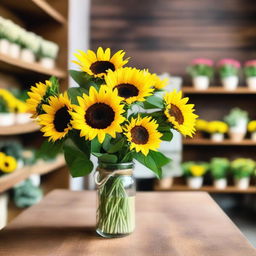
pixel 127 90
pixel 61 119
pixel 6 164
pixel 176 113
pixel 139 134
pixel 99 67
pixel 99 116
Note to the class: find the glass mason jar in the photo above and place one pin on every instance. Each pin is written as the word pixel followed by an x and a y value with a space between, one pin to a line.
pixel 116 199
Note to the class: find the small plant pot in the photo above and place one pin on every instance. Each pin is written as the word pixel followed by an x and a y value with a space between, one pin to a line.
pixel 220 183
pixel 27 55
pixel 195 182
pixel 201 82
pixel 230 83
pixel 165 183
pixel 4 46
pixel 47 62
pixel 238 132
pixel 4 209
pixel 242 183
pixel 20 164
pixel 217 137
pixel 7 119
pixel 35 179
pixel 236 136
pixel 14 50
pixel 251 83
pixel 253 136
pixel 23 118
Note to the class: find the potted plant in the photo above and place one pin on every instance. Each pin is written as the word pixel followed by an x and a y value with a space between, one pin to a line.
pixel 237 121
pixel 48 53
pixel 242 168
pixel 252 129
pixel 201 128
pixel 250 74
pixel 217 129
pixel 219 168
pixel 201 71
pixel 228 70
pixel 194 173
pixel 95 118
pixel 7 117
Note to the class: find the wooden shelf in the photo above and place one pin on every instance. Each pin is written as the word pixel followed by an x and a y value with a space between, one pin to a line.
pixel 19 66
pixel 34 9
pixel 41 167
pixel 217 90
pixel 209 189
pixel 19 129
pixel 226 142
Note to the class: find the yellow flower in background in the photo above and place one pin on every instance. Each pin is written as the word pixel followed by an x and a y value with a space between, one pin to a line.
pixel 7 163
pixel 97 64
pixel 19 106
pixel 159 83
pixel 36 96
pixel 198 170
pixel 98 114
pixel 143 135
pixel 201 125
pixel 252 126
pixel 132 84
pixel 179 113
pixel 217 127
pixel 56 122
pixel 8 98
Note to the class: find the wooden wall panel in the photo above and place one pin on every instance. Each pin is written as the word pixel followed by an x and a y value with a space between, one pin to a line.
pixel 165 35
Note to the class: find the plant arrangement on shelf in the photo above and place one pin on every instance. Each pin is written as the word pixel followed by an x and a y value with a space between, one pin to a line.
pixel 217 129
pixel 98 118
pixel 194 173
pixel 242 169
pixel 201 128
pixel 18 43
pixel 237 121
pixel 252 129
pixel 229 71
pixel 201 71
pixel 219 168
pixel 250 74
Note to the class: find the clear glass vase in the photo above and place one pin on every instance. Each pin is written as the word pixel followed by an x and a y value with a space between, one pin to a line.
pixel 116 200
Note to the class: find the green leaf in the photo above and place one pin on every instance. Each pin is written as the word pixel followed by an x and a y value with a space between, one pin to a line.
pixel 106 158
pixel 167 136
pixel 95 146
pixel 111 145
pixel 74 92
pixel 81 143
pixel 49 149
pixel 160 159
pixel 154 101
pixel 78 162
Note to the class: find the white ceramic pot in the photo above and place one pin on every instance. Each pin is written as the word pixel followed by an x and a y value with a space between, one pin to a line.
pixel 238 132
pixel 27 55
pixel 201 82
pixel 217 137
pixel 14 50
pixel 4 46
pixel 251 83
pixel 47 62
pixel 7 119
pixel 220 183
pixel 253 136
pixel 20 164
pixel 230 83
pixel 195 182
pixel 165 183
pixel 242 183
pixel 23 118
pixel 3 209
pixel 35 179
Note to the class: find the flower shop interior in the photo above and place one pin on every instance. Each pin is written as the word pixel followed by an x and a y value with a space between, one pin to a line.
pixel 204 48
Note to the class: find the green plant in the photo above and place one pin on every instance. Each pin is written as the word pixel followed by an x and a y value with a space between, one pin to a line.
pixel 200 70
pixel 250 71
pixel 242 167
pixel 3 106
pixel 235 115
pixel 194 169
pixel 219 167
pixel 228 70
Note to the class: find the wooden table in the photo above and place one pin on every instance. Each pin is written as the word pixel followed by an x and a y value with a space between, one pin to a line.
pixel 172 223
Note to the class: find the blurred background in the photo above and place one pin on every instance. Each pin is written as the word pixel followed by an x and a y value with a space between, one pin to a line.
pixel 202 46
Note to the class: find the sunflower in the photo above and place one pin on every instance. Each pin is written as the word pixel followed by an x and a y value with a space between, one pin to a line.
pixel 179 113
pixel 37 97
pixel 132 84
pixel 8 163
pixel 56 121
pixel 143 134
pixel 98 114
pixel 159 83
pixel 97 64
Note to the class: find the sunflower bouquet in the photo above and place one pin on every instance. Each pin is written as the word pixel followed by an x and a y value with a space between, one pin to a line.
pixel 118 115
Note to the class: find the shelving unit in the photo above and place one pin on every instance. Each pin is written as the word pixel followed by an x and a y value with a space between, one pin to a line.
pixel 226 142
pixel 217 90
pixel 19 129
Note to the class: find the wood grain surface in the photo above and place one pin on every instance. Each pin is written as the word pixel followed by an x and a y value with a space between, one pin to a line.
pixel 176 224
